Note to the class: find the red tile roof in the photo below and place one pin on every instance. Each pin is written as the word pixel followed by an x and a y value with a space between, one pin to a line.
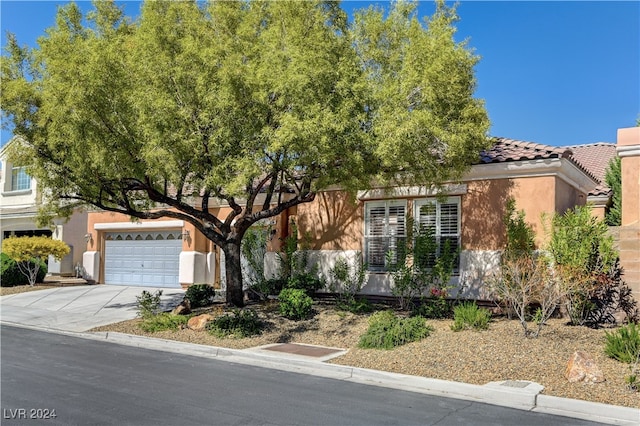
pixel 592 159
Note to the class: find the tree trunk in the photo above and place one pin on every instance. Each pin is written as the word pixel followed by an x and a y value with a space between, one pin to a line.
pixel 235 295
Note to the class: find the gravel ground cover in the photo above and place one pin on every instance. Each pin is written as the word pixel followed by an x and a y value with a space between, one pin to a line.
pixel 5 291
pixel 499 353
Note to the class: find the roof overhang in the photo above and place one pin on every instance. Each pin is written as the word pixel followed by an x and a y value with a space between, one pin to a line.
pixel 561 168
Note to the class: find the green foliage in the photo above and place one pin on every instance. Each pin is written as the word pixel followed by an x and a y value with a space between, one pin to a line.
pixel 420 266
pixel 240 323
pixel 10 274
pixel 148 304
pixel 163 321
pixel 346 282
pixel 469 315
pixel 624 344
pixel 435 307
pixel 613 179
pixel 307 281
pixel 200 295
pixel 254 250
pixel 216 100
pixel 588 269
pixel 295 304
pixel 387 331
pixel 520 235
pixel 24 249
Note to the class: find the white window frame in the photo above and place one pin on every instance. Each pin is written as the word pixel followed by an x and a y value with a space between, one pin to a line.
pixel 417 204
pixel 387 236
pixel 18 177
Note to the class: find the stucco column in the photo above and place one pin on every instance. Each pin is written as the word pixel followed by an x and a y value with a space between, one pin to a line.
pixel 628 148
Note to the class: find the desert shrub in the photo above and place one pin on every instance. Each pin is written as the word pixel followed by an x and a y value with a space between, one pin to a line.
pixel 346 282
pixel 148 304
pixel 420 264
pixel 254 250
pixel 295 304
pixel 239 323
pixel 163 321
pixel 434 307
pixel 11 276
pixel 523 282
pixel 387 331
pixel 520 235
pixel 306 281
pixel 624 343
pixel 588 269
pixel 469 315
pixel 200 295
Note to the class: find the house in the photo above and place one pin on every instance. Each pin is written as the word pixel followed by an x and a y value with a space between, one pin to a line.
pixel 542 179
pixel 20 197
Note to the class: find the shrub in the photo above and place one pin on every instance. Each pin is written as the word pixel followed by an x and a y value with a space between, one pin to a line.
pixel 239 323
pixel 306 281
pixel 24 249
pixel 588 269
pixel 523 282
pixel 295 304
pixel 11 276
pixel 469 315
pixel 162 322
pixel 148 304
pixel 435 307
pixel 200 295
pixel 347 283
pixel 387 331
pixel 624 343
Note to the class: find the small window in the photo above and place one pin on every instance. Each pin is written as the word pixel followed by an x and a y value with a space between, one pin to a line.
pixel 440 221
pixel 20 180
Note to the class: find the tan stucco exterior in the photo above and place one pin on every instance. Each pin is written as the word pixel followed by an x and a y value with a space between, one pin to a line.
pixel 628 148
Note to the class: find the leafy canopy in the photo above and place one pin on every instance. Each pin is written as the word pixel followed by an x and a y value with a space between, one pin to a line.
pixel 252 104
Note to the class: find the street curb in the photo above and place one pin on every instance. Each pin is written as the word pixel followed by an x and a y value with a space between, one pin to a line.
pixel 524 396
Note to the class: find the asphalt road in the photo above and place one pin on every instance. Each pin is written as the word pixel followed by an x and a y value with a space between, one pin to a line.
pixel 56 379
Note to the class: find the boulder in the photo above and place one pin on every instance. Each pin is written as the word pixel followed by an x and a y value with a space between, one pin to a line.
pixel 199 322
pixel 583 368
pixel 184 308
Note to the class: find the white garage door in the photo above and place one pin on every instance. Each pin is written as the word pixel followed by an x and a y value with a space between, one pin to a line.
pixel 148 259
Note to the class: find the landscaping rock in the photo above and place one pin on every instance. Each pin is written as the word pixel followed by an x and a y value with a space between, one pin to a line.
pixel 184 308
pixel 583 368
pixel 199 323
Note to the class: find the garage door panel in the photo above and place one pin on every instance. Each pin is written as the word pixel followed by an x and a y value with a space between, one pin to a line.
pixel 145 259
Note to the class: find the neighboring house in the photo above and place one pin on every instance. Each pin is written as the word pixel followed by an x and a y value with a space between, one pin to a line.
pixel 20 197
pixel 542 180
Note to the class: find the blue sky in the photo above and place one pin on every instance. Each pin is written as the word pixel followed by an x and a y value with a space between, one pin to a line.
pixel 556 73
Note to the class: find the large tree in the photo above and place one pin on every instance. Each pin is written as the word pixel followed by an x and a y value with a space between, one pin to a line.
pixel 258 105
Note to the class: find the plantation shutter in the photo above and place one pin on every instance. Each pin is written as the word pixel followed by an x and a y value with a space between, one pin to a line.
pixel 443 221
pixel 385 230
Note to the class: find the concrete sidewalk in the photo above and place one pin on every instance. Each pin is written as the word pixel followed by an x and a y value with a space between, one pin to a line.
pixel 79 308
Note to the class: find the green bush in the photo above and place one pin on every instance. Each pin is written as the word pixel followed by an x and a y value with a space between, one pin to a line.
pixel 295 304
pixel 162 322
pixel 387 331
pixel 200 295
pixel 11 276
pixel 469 315
pixel 624 343
pixel 240 323
pixel 355 305
pixel 148 304
pixel 305 281
pixel 433 308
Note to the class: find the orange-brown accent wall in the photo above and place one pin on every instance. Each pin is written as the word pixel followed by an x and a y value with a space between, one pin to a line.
pixel 334 221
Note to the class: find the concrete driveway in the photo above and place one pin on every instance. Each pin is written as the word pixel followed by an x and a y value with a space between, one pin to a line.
pixel 79 308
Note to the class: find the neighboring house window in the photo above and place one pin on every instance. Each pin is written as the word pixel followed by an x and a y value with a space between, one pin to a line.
pixel 20 180
pixel 442 219
pixel 385 232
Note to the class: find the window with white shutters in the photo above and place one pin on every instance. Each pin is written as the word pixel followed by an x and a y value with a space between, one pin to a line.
pixel 385 233
pixel 442 219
